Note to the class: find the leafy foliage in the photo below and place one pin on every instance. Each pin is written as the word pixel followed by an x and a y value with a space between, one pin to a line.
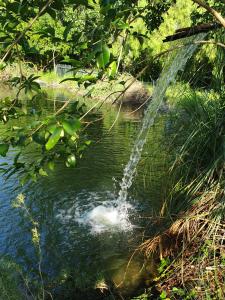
pixel 56 136
pixel 98 38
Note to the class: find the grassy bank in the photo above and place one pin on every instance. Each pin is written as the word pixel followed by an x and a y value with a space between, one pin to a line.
pixel 191 250
pixel 104 90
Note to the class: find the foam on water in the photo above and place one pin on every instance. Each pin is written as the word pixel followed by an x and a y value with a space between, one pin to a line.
pixel 98 215
pixel 107 218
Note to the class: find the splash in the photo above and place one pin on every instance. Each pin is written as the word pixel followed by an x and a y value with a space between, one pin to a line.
pixel 167 77
pixel 102 213
pixel 104 218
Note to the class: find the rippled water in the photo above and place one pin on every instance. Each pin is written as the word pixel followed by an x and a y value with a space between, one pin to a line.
pixel 78 235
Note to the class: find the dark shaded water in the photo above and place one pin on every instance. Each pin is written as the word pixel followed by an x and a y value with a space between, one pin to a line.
pixel 59 204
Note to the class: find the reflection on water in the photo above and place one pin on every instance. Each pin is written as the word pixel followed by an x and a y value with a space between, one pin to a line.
pixel 64 204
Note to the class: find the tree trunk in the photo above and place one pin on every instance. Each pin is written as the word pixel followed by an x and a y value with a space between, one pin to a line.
pixel 53 59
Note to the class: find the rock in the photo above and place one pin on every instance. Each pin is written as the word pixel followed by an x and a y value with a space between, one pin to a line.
pixel 136 94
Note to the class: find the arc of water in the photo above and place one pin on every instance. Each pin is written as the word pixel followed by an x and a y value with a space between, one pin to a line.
pixel 168 76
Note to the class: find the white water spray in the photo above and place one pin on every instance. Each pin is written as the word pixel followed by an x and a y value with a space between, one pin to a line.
pixel 108 218
pixel 168 76
pixel 100 212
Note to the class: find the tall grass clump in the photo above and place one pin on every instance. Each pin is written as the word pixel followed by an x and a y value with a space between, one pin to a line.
pixel 199 142
pixel 195 237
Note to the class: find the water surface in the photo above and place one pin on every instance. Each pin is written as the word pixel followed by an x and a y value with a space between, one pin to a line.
pixel 62 202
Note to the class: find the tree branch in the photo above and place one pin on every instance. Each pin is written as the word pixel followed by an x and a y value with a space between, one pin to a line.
pixel 189 31
pixel 212 11
pixel 211 42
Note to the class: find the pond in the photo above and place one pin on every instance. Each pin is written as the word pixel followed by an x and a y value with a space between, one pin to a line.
pixel 76 239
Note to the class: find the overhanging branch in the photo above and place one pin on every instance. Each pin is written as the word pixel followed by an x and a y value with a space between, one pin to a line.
pixel 189 31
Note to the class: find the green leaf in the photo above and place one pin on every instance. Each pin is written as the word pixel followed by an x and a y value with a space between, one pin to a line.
pixel 2 66
pixel 120 24
pixel 51 165
pixel 54 138
pixel 71 161
pixel 39 137
pixel 163 295
pixel 87 143
pixel 71 126
pixel 112 69
pixel 52 127
pixel 42 172
pixel 103 57
pixel 4 148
